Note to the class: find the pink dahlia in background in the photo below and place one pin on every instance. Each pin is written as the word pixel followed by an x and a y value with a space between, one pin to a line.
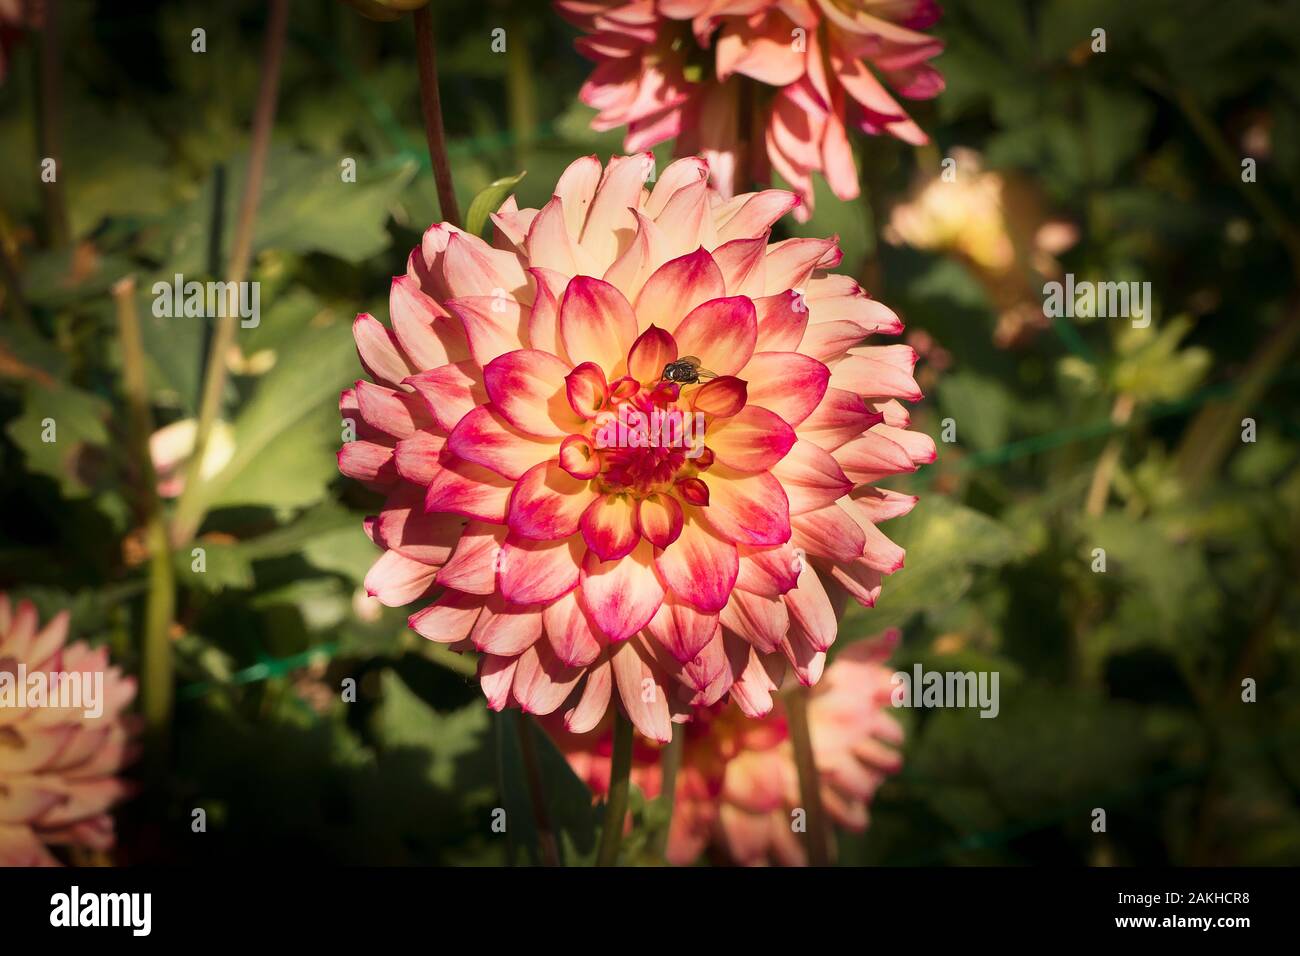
pixel 593 519
pixel 737 785
pixel 58 766
pixel 718 74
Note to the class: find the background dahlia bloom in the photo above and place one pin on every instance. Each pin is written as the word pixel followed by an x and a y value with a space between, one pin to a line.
pixel 669 575
pixel 58 767
pixel 698 70
pixel 738 783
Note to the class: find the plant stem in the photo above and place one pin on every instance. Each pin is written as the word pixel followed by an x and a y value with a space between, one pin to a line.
pixel 620 780
pixel 536 791
pixel 796 709
pixel 190 508
pixel 1104 473
pixel 13 286
pixel 160 603
pixel 431 108
pixel 670 761
pixel 520 87
pixel 51 126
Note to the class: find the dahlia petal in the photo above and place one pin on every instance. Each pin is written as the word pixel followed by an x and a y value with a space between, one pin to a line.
pixel 396 579
pixel 787 383
pixel 486 438
pixel 782 319
pixel 494 324
pixel 682 630
pixel 752 688
pixel 397 414
pixel 808 662
pixel 676 288
pixel 826 341
pixel 587 390
pixel 742 264
pixel 707 673
pixel 471 267
pixel 609 215
pixel 579 457
pixel 537 572
pixel 919 446
pixel 548 503
pixel 840 417
pixel 687 220
pixel 861 581
pixel 551 246
pixel 769 570
pixel 368 463
pixel 721 398
pixel 828 532
pixel 754 439
pixel 450 392
pixel 528 388
pixel 646 253
pixel 378 351
pixel 760 619
pixel 837 154
pixel 447 620
pixel 405 528
pixel 576 189
pixel 700 567
pixel 609 527
pixel 417 458
pixel 879 372
pixel 465 488
pixel 659 518
pixel 650 353
pixel 496 675
pixel 593 702
pixel 790 264
pixel 872 455
pixel 621 596
pixel 879 504
pixel 755 215
pixel 870 315
pixel 880 552
pixel 642 692
pixel 810 608
pixel 747 509
pixel 596 323
pixel 676 175
pixel 504 629
pixel 542 681
pixel 570 631
pixel 426 335
pixel 472 567
pixel 811 477
pixel 720 332
pixel 544 317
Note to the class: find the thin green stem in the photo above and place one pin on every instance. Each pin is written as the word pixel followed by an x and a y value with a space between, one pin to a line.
pixel 520 87
pixel 191 507
pixel 431 109
pixel 796 708
pixel 620 781
pixel 160 603
pixel 51 126
pixel 670 761
pixel 536 791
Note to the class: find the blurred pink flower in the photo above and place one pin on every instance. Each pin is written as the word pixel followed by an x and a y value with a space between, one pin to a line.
pixel 580 556
pixel 58 766
pixel 738 786
pixel 702 71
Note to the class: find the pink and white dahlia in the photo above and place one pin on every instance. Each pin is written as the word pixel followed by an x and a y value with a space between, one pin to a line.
pixel 704 71
pixel 588 524
pixel 59 766
pixel 737 786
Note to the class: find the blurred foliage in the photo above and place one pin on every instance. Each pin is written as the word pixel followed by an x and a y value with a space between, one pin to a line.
pixel 1120 689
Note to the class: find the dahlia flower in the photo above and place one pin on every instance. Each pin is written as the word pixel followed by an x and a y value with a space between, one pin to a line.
pixel 738 785
pixel 58 766
pixel 998 227
pixel 826 60
pixel 590 526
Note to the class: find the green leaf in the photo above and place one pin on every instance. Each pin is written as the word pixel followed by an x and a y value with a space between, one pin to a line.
pixel 489 200
pixel 63 434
